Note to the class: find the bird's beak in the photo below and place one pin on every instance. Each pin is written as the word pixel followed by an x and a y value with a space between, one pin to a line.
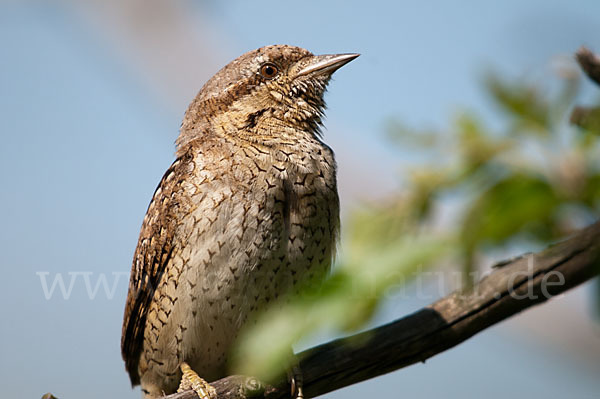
pixel 326 64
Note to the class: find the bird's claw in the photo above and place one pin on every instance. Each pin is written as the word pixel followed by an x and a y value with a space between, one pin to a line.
pixel 191 380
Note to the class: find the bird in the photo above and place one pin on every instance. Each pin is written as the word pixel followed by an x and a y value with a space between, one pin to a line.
pixel 246 215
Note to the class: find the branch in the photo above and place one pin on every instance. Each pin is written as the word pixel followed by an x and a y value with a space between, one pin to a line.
pixel 512 287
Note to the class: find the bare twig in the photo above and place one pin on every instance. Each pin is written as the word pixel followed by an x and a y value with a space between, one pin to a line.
pixel 587 117
pixel 511 288
pixel 590 63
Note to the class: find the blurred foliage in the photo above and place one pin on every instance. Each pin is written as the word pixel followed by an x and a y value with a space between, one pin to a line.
pixel 345 302
pixel 535 178
pixel 538 178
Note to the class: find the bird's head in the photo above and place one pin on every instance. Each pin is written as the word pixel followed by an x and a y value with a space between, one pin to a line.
pixel 263 94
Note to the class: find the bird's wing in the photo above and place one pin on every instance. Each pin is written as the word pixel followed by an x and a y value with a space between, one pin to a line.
pixel 152 254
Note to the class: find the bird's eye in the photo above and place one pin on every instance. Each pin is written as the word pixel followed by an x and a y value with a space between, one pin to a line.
pixel 268 71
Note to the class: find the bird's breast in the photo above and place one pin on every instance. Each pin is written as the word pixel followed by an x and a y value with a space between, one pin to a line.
pixel 261 227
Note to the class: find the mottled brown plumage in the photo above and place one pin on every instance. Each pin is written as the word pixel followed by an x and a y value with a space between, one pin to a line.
pixel 247 213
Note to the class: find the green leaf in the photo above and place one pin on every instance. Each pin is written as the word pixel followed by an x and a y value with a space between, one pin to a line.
pixel 514 205
pixel 528 110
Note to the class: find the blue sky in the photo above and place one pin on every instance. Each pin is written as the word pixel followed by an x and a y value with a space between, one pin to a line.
pixel 84 144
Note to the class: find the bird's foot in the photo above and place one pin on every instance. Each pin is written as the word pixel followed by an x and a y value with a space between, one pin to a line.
pixel 296 382
pixel 191 380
